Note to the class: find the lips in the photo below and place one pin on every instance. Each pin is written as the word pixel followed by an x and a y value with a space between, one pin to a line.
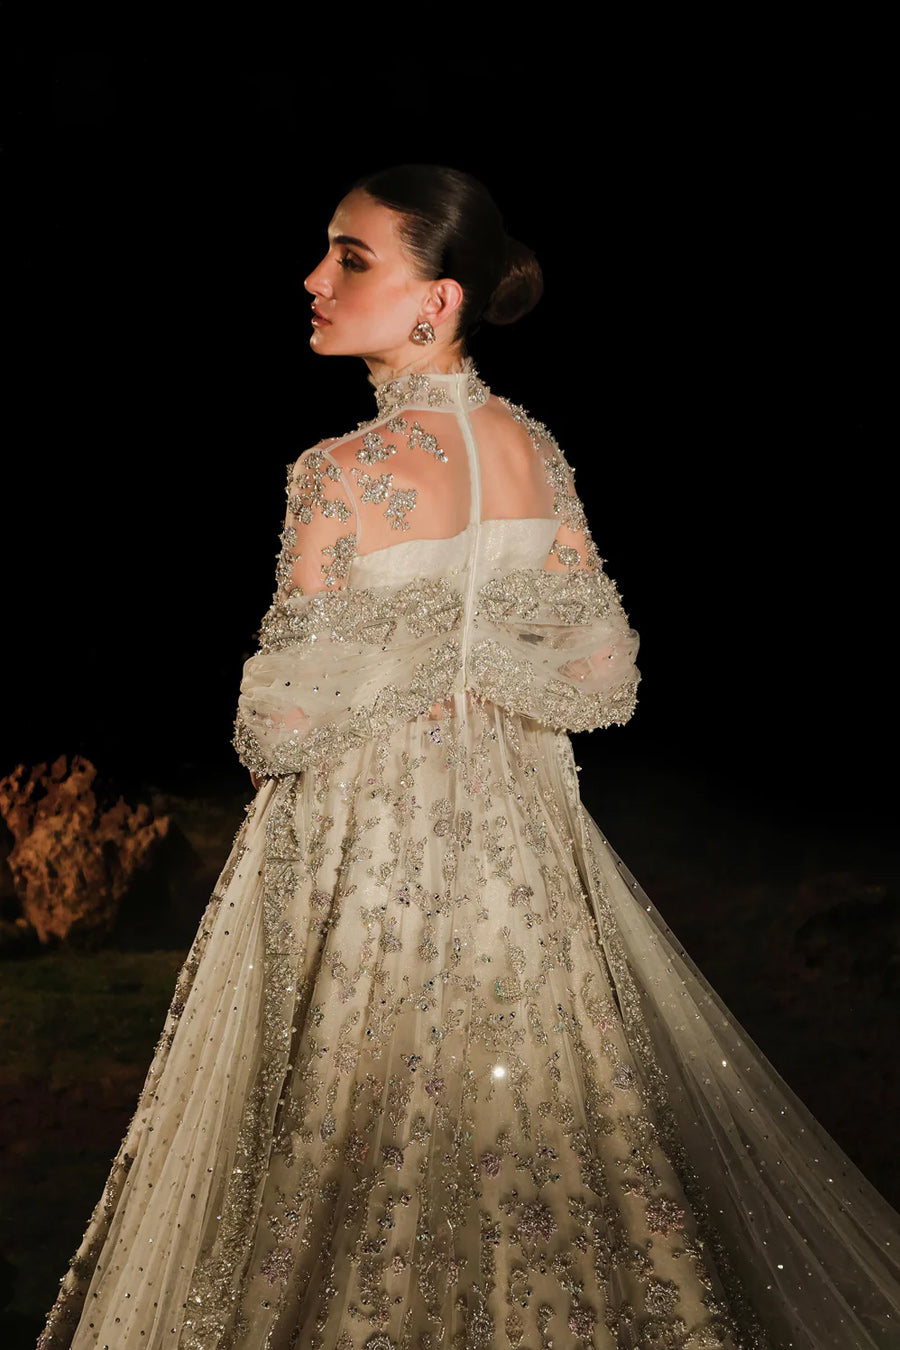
pixel 319 319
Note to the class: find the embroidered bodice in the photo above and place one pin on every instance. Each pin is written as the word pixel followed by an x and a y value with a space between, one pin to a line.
pixel 438 552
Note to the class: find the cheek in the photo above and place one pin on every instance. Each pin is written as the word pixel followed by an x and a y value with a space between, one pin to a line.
pixel 386 300
pixel 390 311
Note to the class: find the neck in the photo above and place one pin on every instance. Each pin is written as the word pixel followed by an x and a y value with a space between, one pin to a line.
pixel 441 359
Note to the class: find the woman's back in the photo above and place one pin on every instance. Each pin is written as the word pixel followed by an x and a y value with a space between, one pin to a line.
pixel 436 554
pixel 444 459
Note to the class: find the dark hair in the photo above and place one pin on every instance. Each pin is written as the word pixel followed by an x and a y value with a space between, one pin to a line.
pixel 453 228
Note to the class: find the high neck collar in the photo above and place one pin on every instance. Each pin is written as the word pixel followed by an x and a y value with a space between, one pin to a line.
pixel 461 388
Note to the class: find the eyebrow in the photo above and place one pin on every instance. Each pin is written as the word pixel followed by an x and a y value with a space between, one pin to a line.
pixel 351 239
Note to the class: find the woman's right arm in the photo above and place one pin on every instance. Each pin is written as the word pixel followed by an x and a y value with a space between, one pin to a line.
pixel 318 543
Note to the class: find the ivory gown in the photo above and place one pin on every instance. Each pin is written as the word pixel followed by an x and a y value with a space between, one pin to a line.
pixel 436 1074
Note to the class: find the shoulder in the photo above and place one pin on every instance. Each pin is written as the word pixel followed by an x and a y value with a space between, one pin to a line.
pixel 504 410
pixel 515 428
pixel 410 442
pixel 574 546
pixel 312 466
pixel 367 444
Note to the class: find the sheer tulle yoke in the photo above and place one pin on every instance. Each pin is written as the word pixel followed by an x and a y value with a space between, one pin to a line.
pixel 436 1075
pixel 493 587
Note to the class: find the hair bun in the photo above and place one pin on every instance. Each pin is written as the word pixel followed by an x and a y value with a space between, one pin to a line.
pixel 450 226
pixel 519 288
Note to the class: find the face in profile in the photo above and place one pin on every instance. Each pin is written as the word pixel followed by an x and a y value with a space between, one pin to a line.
pixel 367 298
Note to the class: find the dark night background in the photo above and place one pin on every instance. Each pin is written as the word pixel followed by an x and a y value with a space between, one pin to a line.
pixel 711 353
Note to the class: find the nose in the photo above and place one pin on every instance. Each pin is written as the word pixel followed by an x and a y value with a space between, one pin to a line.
pixel 318 283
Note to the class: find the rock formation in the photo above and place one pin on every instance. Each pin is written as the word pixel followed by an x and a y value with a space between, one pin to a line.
pixel 75 852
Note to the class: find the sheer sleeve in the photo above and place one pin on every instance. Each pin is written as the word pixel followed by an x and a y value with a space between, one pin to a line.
pixel 318 544
pixel 338 665
pixel 572 551
pixel 556 644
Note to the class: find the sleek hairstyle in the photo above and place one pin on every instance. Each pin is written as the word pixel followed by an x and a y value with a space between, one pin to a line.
pixel 452 227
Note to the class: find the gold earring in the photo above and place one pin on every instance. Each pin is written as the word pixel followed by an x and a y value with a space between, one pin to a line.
pixel 423 333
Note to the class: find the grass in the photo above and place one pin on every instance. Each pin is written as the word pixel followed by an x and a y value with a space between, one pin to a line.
pixel 77 1034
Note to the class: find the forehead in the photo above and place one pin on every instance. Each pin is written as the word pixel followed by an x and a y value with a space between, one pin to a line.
pixel 360 216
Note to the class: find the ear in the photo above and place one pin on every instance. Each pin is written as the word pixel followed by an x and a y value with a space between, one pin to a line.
pixel 442 301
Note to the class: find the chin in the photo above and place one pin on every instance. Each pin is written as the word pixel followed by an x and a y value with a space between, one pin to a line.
pixel 325 344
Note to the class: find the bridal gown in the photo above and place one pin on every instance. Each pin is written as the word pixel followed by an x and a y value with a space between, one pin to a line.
pixel 436 1074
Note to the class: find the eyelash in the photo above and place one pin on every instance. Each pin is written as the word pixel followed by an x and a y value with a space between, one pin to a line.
pixel 351 263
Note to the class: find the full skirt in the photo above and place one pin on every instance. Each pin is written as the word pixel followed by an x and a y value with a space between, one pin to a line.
pixel 436 1074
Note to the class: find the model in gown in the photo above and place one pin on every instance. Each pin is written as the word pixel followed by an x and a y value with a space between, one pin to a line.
pixel 436 1074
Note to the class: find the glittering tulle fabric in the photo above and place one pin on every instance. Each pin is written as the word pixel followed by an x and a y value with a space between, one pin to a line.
pixel 436 1074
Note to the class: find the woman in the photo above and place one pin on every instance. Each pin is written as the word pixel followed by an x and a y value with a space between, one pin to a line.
pixel 435 1073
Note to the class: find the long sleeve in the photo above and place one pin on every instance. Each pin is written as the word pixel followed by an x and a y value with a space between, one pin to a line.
pixel 319 537
pixel 554 643
pixel 338 665
pixel 318 543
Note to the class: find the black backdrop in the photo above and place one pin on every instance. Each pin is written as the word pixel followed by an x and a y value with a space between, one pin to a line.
pixel 710 352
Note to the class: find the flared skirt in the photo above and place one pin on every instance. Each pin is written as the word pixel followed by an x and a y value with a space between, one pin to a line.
pixel 437 1075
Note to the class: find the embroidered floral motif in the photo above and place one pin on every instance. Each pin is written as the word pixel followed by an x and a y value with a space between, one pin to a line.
pixel 381 489
pixel 422 390
pixel 401 501
pixel 567 505
pixel 412 389
pixel 373 449
pixel 369 617
pixel 374 489
pixel 278 1265
pixel 427 442
pixel 573 599
pixel 569 557
pixel 342 552
pixel 309 497
pixel 500 678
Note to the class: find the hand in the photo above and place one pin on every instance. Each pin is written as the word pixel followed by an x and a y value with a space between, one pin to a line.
pixel 256 780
